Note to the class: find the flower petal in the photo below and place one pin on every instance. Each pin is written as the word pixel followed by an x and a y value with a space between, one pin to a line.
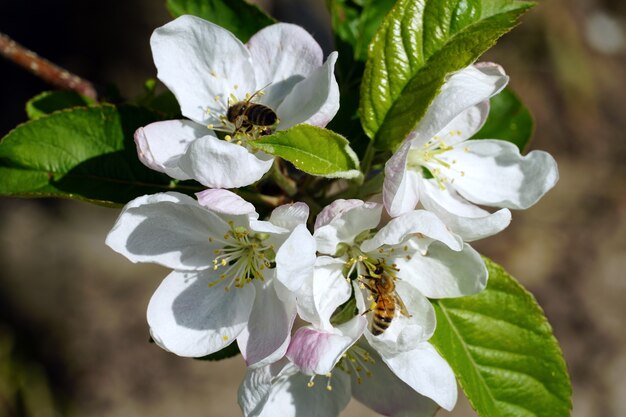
pixel 202 64
pixel 351 217
pixel 161 144
pixel 289 216
pixel 314 100
pixel 464 89
pixel 169 229
pixel 266 337
pixel 494 173
pixel 388 395
pixel 460 216
pixel 409 224
pixel 290 396
pixel 465 125
pixel 295 258
pixel 444 273
pixel 219 164
pixel 315 351
pixel 190 319
pixel 401 186
pixel 226 202
pixel 424 370
pixel 254 390
pixel 283 55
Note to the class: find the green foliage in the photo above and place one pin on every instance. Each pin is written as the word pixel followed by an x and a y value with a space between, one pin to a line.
pixel 51 101
pixel 238 16
pixel 314 150
pixel 418 44
pixel 502 350
pixel 508 120
pixel 83 153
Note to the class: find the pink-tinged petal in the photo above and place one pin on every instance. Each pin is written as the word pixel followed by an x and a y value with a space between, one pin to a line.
pixel 334 209
pixel 401 186
pixel 226 202
pixel 295 258
pixel 289 216
pixel 169 229
pixel 409 224
pixel 283 55
pixel 460 216
pixel 266 337
pixel 350 218
pixel 315 351
pixel 494 173
pixel 443 273
pixel 161 144
pixel 314 100
pixel 202 64
pixel 290 396
pixel 462 90
pixel 406 333
pixel 219 164
pixel 321 294
pixel 424 370
pixel 387 394
pixel 189 318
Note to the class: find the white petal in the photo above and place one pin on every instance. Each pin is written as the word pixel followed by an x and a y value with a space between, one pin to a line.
pixel 417 221
pixel 201 63
pixel 283 55
pixel 290 396
pixel 464 89
pixel 161 144
pixel 424 370
pixel 289 216
pixel 314 100
pixel 461 217
pixel 226 202
pixel 351 219
pixel 401 186
pixel 321 294
pixel 254 390
pixel 169 229
pixel 465 125
pixel 334 209
pixel 406 333
pixel 295 258
pixel 494 173
pixel 444 273
pixel 388 395
pixel 188 318
pixel 266 337
pixel 219 164
pixel 315 351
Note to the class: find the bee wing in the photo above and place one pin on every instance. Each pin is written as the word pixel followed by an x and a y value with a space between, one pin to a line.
pixel 403 309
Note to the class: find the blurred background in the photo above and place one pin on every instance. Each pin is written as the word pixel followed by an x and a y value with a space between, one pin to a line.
pixel 73 335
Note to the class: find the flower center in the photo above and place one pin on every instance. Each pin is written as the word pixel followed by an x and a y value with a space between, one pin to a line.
pixel 243 257
pixel 429 162
pixel 356 361
pixel 243 119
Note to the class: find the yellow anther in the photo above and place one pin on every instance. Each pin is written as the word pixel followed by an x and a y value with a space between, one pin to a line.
pixel 225 338
pixel 228 138
pixel 209 126
pixel 310 384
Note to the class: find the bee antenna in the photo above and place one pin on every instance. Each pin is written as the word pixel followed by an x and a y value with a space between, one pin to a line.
pixel 259 91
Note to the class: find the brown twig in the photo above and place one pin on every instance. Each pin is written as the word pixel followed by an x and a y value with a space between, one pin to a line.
pixel 44 69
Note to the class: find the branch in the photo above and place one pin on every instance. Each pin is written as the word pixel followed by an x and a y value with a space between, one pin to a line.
pixel 44 69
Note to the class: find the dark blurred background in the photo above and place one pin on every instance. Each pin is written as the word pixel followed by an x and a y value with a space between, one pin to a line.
pixel 73 336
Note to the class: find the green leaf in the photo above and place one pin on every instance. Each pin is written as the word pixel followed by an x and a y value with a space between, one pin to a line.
pixel 84 153
pixel 508 120
pixel 51 101
pixel 238 16
pixel 314 150
pixel 228 352
pixel 357 22
pixel 418 44
pixel 502 350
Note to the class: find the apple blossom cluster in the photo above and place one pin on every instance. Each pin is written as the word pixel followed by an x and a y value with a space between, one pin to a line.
pixel 342 309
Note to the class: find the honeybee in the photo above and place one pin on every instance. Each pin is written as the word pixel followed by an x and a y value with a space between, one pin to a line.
pixel 246 116
pixel 382 286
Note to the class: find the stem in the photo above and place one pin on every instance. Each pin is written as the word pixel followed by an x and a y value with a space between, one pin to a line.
pixel 367 158
pixel 284 182
pixel 44 69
